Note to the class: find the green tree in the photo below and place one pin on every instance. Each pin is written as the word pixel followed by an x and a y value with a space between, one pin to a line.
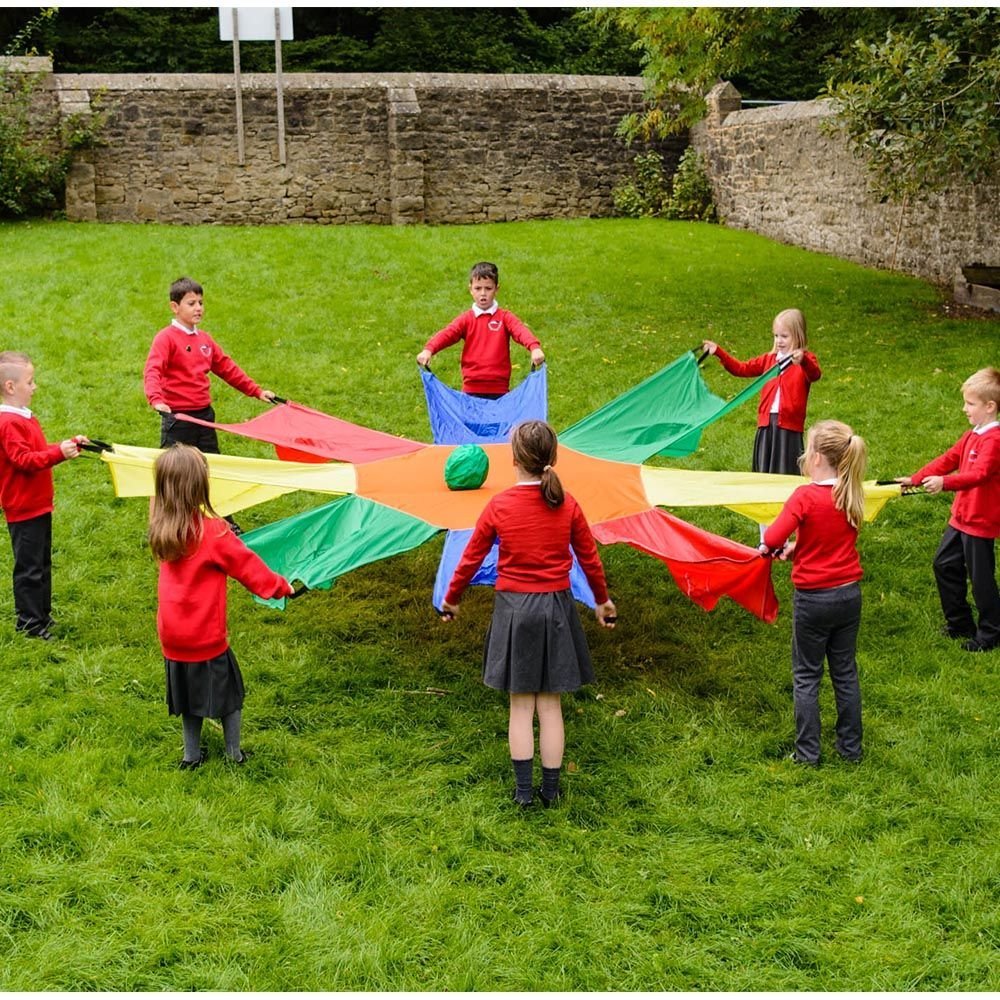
pixel 922 104
pixel 334 39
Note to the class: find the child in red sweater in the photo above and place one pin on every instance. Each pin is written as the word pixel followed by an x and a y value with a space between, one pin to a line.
pixel 176 380
pixel 972 469
pixel 487 331
pixel 26 493
pixel 177 368
pixel 535 647
pixel 781 414
pixel 825 516
pixel 197 552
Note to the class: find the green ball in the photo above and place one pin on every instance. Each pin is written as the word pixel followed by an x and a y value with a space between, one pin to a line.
pixel 466 468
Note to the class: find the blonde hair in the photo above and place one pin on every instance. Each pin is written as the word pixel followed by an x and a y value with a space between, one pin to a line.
pixel 176 519
pixel 985 384
pixel 848 454
pixel 795 323
pixel 12 363
pixel 534 445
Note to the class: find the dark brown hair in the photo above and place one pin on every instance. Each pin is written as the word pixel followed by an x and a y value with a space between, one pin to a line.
pixel 484 269
pixel 534 445
pixel 182 286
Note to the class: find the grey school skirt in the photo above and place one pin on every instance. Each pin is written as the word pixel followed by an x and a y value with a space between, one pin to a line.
pixel 206 688
pixel 536 643
pixel 776 450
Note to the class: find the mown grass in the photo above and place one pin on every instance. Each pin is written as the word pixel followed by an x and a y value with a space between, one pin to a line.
pixel 370 843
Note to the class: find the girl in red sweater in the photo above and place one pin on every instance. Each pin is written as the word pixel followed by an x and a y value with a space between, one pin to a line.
pixel 535 646
pixel 825 516
pixel 781 414
pixel 197 552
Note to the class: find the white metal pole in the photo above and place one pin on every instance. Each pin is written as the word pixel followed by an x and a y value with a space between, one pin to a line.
pixel 280 86
pixel 240 150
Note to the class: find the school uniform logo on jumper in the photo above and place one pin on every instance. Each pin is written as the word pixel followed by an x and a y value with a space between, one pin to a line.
pixel 205 349
pixel 495 325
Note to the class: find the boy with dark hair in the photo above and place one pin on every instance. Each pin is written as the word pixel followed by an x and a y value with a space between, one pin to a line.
pixel 487 331
pixel 26 493
pixel 175 377
pixel 972 469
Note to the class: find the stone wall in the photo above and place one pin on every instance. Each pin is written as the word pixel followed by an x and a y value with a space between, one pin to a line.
pixel 361 148
pixel 776 172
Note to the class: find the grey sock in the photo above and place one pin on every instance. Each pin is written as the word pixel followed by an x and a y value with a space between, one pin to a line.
pixel 192 736
pixel 231 731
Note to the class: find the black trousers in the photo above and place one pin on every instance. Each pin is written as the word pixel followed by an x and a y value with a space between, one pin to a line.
pixel 962 558
pixel 174 431
pixel 31 541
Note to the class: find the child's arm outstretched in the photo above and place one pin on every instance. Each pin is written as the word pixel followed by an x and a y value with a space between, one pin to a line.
pixel 582 540
pixel 472 558
pixel 246 567
pixel 451 334
pixel 742 369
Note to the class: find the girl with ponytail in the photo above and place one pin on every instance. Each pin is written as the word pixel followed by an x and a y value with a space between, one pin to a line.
pixel 535 646
pixel 825 516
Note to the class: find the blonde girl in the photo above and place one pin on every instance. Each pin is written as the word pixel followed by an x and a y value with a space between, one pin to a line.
pixel 197 552
pixel 535 647
pixel 825 516
pixel 781 415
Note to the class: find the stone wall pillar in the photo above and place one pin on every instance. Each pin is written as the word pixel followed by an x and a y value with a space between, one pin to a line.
pixel 406 157
pixel 722 100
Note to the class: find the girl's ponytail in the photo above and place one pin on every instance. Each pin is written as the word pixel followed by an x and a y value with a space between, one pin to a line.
pixel 849 494
pixel 848 454
pixel 534 445
pixel 552 491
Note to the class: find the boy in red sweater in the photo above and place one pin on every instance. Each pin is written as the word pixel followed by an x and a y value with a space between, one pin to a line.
pixel 176 373
pixel 972 469
pixel 26 493
pixel 487 331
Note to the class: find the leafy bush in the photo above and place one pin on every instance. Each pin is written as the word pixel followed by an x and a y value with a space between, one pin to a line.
pixel 691 191
pixel 647 192
pixel 37 143
pixel 687 196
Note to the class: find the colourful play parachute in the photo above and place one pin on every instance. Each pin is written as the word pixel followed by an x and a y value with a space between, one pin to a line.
pixel 392 496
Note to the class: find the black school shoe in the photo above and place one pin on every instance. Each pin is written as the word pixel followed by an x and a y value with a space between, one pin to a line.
pixel 956 633
pixel 978 646
pixel 522 799
pixel 190 765
pixel 546 801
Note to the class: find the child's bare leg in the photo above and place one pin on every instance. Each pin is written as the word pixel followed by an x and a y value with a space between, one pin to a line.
pixel 551 742
pixel 551 735
pixel 521 736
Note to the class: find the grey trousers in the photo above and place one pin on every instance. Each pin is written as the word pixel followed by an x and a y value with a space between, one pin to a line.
pixel 825 626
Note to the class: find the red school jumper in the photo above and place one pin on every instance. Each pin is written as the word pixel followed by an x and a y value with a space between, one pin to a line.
pixel 535 541
pixel 826 553
pixel 972 469
pixel 191 614
pixel 178 365
pixel 486 354
pixel 26 460
pixel 793 382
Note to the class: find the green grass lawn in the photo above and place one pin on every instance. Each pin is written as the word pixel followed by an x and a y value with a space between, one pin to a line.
pixel 370 843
